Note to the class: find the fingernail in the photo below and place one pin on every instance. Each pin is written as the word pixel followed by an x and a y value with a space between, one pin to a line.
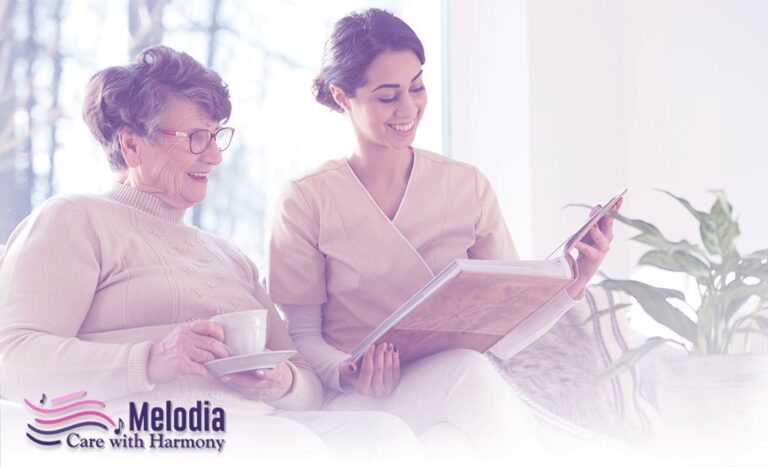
pixel 259 373
pixel 226 379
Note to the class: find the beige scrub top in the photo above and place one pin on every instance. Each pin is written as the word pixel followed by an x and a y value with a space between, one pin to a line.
pixel 332 245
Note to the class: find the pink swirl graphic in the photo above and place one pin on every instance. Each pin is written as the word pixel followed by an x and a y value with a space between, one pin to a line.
pixel 63 408
pixel 84 413
pixel 60 410
pixel 66 397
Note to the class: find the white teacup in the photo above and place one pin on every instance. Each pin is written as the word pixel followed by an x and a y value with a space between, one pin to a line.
pixel 245 332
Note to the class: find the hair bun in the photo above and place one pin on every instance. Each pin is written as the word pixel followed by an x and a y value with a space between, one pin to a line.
pixel 356 40
pixel 322 92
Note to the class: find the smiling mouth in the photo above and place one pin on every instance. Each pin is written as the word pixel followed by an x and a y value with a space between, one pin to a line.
pixel 403 127
pixel 199 176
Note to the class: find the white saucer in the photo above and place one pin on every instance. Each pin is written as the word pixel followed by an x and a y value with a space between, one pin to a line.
pixel 229 365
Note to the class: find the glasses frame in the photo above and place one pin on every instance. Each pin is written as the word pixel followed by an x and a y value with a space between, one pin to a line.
pixel 189 134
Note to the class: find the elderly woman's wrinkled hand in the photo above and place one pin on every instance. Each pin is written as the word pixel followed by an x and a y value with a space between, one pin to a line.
pixel 184 350
pixel 262 385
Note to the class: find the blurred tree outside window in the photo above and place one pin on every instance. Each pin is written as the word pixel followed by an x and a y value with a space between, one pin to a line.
pixel 267 51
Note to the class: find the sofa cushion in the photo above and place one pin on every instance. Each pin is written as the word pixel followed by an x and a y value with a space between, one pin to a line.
pixel 559 371
pixel 611 334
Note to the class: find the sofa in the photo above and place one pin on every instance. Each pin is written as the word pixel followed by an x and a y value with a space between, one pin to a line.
pixel 555 377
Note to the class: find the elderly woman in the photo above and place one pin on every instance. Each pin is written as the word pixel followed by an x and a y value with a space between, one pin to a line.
pixel 113 293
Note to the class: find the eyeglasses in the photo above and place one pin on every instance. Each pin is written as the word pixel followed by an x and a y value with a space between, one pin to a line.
pixel 199 140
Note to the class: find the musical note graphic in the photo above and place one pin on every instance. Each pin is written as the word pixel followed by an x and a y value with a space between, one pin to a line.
pixel 119 429
pixel 42 399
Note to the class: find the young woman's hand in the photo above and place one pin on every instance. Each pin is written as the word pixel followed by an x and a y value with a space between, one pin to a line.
pixel 592 250
pixel 184 350
pixel 378 373
pixel 262 385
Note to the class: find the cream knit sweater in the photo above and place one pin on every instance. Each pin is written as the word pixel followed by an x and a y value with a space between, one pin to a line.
pixel 88 283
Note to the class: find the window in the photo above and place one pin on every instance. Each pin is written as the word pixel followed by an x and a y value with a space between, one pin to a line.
pixel 267 51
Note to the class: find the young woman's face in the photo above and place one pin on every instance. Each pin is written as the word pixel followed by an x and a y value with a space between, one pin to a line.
pixel 386 110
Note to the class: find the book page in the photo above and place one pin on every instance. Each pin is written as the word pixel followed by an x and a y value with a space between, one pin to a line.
pixel 474 302
pixel 479 285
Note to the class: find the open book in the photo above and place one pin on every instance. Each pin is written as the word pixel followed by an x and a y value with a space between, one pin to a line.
pixel 473 304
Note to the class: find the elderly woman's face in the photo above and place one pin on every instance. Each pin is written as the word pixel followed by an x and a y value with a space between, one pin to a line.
pixel 167 168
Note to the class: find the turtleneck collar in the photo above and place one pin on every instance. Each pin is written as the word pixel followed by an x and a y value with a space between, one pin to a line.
pixel 146 202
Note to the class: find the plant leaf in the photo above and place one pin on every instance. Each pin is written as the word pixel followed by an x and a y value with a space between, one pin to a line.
pixel 762 323
pixel 663 244
pixel 649 233
pixel 630 357
pixel 734 305
pixel 730 262
pixel 759 254
pixel 653 300
pixel 735 296
pixel 625 285
pixel 641 225
pixel 708 232
pixel 738 291
pixel 699 215
pixel 607 311
pixel 752 267
pixel 678 261
pixel 718 229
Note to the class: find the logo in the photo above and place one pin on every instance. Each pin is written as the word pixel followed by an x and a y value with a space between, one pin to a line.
pixel 70 420
pixel 66 410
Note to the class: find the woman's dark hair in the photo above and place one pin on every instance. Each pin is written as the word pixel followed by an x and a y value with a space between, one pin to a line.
pixel 357 39
pixel 134 96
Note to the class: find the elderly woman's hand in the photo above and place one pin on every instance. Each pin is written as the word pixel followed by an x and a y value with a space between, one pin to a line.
pixel 592 250
pixel 262 385
pixel 184 350
pixel 379 371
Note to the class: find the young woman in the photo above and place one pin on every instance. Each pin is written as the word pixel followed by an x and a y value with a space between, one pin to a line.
pixel 355 238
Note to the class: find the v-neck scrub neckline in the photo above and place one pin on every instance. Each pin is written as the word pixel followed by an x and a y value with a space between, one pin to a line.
pixel 332 247
pixel 368 193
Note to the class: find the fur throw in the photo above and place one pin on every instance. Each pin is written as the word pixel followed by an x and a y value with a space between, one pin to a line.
pixel 558 372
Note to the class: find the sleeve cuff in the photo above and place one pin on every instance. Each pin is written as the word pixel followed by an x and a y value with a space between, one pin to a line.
pixel 332 378
pixel 306 392
pixel 564 299
pixel 137 368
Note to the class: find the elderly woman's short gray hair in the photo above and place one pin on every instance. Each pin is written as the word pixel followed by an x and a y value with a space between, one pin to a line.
pixel 134 96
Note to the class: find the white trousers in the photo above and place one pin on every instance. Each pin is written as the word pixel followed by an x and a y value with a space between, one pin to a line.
pixel 460 389
pixel 362 437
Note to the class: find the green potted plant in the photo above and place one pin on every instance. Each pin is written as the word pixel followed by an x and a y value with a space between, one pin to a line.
pixel 725 279
pixel 715 388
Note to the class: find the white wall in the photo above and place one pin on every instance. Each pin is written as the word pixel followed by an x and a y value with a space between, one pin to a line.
pixel 577 114
pixel 697 108
pixel 636 93
pixel 486 83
